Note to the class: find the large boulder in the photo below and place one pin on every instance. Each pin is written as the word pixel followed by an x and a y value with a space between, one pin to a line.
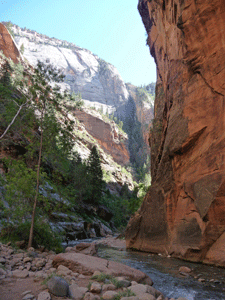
pixel 87 265
pixel 58 286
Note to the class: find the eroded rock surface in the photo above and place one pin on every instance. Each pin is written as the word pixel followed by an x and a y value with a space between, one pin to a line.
pixel 184 211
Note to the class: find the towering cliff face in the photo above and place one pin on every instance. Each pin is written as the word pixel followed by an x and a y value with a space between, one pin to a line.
pixel 96 80
pixel 184 211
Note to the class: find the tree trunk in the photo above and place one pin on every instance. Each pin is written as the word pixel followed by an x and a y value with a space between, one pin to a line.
pixel 37 187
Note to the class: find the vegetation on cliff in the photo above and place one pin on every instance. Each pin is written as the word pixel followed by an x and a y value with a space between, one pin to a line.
pixel 37 150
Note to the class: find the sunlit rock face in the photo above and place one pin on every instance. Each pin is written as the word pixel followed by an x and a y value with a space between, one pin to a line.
pixel 95 79
pixel 106 134
pixel 7 45
pixel 183 213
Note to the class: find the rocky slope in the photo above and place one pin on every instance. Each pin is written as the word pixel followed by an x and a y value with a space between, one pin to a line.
pixel 183 212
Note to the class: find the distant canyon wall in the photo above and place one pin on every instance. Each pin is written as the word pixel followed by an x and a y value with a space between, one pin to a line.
pixel 183 213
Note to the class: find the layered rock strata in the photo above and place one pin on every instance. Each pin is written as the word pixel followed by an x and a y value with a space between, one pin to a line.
pixel 183 213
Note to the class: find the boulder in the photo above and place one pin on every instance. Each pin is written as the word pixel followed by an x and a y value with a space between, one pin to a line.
pixel 58 286
pixel 109 295
pixel 76 292
pixel 44 296
pixel 95 287
pixel 20 273
pixel 87 265
pixel 90 296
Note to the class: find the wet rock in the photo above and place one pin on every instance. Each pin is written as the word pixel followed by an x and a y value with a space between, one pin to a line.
pixel 58 286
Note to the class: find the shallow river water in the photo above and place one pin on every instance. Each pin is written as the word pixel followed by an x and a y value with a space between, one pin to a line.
pixel 164 273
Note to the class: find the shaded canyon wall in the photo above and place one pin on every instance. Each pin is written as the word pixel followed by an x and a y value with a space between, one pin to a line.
pixel 183 213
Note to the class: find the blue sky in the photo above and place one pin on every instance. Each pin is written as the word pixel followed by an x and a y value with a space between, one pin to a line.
pixel 111 29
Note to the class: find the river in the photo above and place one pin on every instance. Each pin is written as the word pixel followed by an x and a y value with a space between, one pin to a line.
pixel 164 273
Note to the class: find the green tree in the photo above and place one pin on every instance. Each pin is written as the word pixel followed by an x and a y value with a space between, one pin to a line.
pixel 95 175
pixel 22 48
pixel 44 122
pixel 47 101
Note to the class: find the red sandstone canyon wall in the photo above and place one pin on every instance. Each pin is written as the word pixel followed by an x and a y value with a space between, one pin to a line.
pixel 183 213
pixel 7 45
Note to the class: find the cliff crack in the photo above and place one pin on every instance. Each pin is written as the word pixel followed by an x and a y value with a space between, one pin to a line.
pixel 212 89
pixel 67 61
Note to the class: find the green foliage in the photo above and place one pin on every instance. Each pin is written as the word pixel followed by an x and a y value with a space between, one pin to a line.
pixel 22 49
pixel 43 235
pixel 20 190
pixel 102 277
pixel 9 27
pixel 121 294
pixel 95 175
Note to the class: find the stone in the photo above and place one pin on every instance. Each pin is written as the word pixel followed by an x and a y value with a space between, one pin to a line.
pixel 27 259
pixel 96 273
pixel 138 289
pixel 77 292
pixel 147 296
pixel 108 287
pixel 2 272
pixel 28 297
pixel 25 293
pixel 40 263
pixel 58 286
pixel 90 296
pixel 188 173
pixel 44 296
pixel 2 260
pixel 81 276
pixel 182 298
pixel 109 295
pixel 20 273
pixel 87 265
pixel 64 269
pixel 130 298
pixel 95 287
pixel 184 269
pixel 124 282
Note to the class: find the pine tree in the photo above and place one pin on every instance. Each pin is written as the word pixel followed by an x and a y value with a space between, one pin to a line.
pixel 95 175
